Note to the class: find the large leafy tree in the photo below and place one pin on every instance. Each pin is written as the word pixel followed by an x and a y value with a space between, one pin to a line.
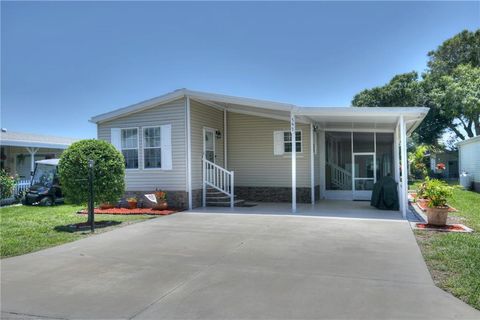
pixel 406 90
pixel 449 87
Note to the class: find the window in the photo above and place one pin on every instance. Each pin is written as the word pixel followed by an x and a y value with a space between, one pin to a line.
pixel 129 145
pixel 152 151
pixel 287 141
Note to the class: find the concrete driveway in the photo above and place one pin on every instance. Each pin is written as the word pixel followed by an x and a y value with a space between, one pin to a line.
pixel 217 266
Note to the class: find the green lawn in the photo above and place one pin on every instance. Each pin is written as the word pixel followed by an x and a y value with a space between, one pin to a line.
pixel 454 258
pixel 25 229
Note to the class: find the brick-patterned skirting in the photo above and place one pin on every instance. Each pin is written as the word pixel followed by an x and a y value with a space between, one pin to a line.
pixel 272 194
pixel 176 199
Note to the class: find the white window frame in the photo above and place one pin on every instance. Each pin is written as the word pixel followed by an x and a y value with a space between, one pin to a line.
pixel 143 147
pixel 301 142
pixel 137 148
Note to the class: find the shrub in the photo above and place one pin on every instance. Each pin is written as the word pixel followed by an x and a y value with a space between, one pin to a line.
pixel 437 192
pixel 109 172
pixel 7 183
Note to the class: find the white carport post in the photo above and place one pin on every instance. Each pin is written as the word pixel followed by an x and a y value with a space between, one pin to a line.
pixel 312 165
pixel 32 152
pixel 403 142
pixel 294 162
pixel 188 139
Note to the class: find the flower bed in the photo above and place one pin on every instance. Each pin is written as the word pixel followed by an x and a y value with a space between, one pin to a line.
pixel 125 211
pixel 446 228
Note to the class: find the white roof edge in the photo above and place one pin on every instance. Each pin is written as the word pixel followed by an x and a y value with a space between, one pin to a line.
pixel 35 144
pixel 471 140
pixel 264 104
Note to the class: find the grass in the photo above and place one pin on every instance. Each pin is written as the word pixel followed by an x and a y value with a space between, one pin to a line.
pixel 25 229
pixel 454 258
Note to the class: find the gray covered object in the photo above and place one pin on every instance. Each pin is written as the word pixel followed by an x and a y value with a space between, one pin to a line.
pixel 385 194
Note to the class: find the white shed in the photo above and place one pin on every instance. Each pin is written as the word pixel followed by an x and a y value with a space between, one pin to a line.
pixel 469 159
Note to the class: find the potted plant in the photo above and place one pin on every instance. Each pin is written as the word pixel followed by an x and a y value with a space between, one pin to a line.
pixel 132 203
pixel 161 197
pixel 437 192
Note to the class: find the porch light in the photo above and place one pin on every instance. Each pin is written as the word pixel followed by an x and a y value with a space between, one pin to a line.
pixel 218 134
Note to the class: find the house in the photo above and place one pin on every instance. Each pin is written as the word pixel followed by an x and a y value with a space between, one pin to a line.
pixel 469 159
pixel 449 159
pixel 201 147
pixel 20 150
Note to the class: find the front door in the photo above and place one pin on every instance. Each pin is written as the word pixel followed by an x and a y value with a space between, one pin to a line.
pixel 209 144
pixel 364 175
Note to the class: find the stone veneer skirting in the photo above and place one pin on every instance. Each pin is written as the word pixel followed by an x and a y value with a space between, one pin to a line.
pixel 176 199
pixel 273 194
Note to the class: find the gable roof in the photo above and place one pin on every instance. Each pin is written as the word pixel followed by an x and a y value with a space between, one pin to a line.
pixel 414 115
pixel 24 139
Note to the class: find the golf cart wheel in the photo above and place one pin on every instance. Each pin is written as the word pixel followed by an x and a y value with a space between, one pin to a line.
pixel 47 202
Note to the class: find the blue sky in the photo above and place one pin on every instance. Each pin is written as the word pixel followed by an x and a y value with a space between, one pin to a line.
pixel 63 62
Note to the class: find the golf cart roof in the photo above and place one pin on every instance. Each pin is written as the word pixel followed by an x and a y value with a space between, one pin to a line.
pixel 52 162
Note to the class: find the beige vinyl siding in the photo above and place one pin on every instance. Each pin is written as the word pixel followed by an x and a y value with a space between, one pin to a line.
pixel 250 152
pixel 150 179
pixel 204 116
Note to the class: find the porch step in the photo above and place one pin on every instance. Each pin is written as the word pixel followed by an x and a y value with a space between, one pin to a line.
pixel 217 198
pixel 236 203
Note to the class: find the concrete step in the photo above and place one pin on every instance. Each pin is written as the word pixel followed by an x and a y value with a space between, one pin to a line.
pixel 237 203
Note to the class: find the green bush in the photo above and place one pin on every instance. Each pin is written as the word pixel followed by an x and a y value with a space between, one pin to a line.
pixel 7 183
pixel 437 192
pixel 109 172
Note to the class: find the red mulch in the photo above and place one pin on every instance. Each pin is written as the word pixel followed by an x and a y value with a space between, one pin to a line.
pixel 448 227
pixel 124 211
pixel 422 204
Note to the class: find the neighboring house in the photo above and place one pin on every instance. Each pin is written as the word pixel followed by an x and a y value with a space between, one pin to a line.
pixel 469 159
pixel 190 143
pixel 20 150
pixel 449 159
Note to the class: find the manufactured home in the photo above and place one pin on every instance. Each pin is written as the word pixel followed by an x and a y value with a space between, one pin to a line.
pixel 204 148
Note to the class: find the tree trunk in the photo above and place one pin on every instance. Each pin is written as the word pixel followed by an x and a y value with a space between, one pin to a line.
pixel 458 133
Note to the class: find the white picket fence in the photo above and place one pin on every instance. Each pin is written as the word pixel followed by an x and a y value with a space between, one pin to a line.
pixel 21 186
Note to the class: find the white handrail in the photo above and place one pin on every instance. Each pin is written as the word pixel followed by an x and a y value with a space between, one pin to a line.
pixel 340 176
pixel 218 178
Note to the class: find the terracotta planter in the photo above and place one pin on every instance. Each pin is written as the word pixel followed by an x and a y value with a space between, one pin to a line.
pixel 132 204
pixel 161 205
pixel 104 206
pixel 437 216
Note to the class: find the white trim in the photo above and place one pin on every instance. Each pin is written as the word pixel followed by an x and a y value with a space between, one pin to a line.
pixel 403 139
pixel 213 131
pixel 225 164
pixel 417 113
pixel 359 130
pixel 189 151
pixel 293 132
pixel 467 141
pixel 364 193
pixel 143 148
pixel 287 154
pixel 312 165
pixel 33 144
pixel 138 147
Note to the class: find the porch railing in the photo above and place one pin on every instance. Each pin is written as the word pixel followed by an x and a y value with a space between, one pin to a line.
pixel 218 178
pixel 340 177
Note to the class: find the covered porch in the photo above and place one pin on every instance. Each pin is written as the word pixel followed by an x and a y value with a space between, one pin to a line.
pixel 267 148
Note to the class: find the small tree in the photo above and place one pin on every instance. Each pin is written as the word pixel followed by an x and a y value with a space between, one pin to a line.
pixel 109 172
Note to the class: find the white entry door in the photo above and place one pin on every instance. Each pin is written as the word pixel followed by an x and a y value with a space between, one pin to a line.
pixel 364 175
pixel 209 144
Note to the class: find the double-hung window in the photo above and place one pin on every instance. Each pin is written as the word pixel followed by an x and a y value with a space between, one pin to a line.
pixel 287 141
pixel 129 147
pixel 152 147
